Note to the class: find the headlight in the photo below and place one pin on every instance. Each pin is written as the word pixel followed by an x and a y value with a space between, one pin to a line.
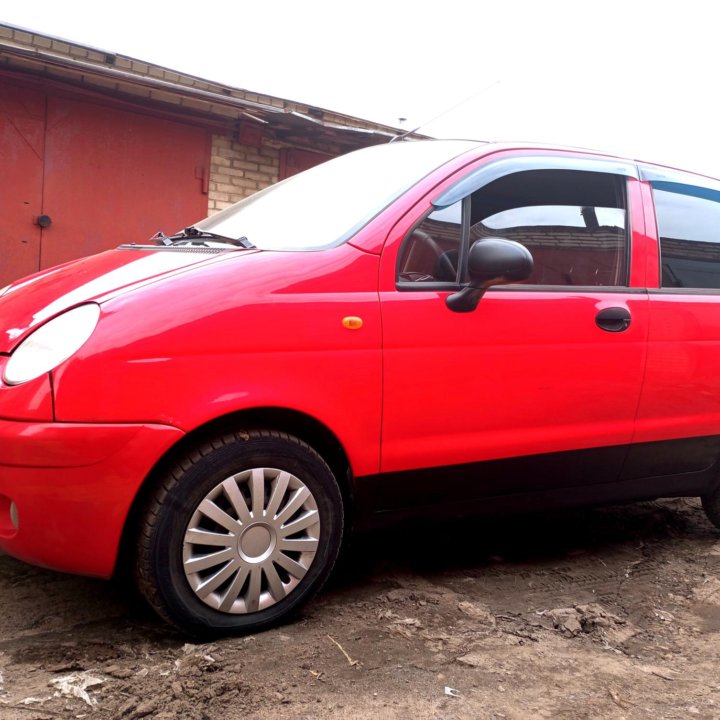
pixel 52 343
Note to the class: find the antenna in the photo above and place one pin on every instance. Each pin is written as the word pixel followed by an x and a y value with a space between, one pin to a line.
pixel 444 112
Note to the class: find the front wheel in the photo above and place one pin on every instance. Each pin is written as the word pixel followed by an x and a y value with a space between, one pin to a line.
pixel 241 534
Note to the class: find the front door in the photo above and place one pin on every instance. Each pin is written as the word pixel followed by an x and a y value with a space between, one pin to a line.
pixel 538 387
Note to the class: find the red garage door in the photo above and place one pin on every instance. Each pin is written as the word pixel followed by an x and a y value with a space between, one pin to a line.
pixel 94 176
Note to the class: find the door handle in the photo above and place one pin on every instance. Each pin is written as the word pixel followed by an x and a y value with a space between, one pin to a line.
pixel 614 319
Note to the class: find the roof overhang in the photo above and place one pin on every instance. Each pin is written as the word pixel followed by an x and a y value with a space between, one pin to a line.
pixel 134 81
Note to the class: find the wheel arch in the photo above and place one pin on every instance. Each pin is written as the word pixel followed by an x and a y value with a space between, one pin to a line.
pixel 303 426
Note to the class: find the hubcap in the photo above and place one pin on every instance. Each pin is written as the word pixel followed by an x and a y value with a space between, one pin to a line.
pixel 251 540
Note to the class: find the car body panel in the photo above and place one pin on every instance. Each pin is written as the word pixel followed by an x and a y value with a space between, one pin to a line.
pixel 33 300
pixel 257 330
pixel 73 485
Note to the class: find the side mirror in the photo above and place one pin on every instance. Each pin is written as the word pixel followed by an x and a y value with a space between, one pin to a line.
pixel 492 261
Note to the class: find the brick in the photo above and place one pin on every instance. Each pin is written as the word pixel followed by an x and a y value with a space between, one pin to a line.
pixel 215 195
pixel 99 57
pixel 165 97
pixel 60 46
pixel 244 165
pixel 194 103
pixel 100 82
pixel 239 151
pixel 221 141
pixel 256 176
pixel 38 40
pixel 139 67
pixel 269 169
pixel 220 177
pixel 225 188
pixel 249 184
pixel 222 161
pixel 78 52
pixel 60 72
pixel 123 63
pixel 23 37
pixel 224 110
pixel 6 32
pixel 136 90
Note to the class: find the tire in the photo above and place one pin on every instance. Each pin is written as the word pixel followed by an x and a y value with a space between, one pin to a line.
pixel 711 505
pixel 240 534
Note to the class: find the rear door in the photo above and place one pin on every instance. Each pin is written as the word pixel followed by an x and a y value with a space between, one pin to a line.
pixel 538 387
pixel 679 410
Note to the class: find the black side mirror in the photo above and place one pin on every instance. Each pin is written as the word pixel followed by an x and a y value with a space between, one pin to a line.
pixel 492 261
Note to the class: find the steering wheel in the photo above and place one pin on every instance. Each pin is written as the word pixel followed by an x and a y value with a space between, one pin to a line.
pixel 444 266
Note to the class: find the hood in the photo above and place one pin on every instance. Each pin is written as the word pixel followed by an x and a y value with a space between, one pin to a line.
pixel 34 299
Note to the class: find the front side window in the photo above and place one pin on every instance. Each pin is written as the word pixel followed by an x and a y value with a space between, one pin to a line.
pixel 431 252
pixel 689 226
pixel 573 223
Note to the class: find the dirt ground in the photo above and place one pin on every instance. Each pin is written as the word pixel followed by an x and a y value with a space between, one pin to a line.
pixel 608 613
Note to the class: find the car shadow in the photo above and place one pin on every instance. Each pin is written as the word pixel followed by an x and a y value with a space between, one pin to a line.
pixel 520 540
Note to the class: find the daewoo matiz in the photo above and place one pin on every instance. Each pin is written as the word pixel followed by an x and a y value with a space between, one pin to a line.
pixel 431 327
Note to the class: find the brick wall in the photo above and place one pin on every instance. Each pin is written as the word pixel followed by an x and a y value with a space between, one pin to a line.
pixel 237 170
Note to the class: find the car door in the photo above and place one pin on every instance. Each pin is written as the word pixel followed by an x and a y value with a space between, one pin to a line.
pixel 679 411
pixel 538 387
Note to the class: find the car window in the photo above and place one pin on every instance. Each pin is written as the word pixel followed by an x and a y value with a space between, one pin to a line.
pixel 573 223
pixel 689 226
pixel 431 251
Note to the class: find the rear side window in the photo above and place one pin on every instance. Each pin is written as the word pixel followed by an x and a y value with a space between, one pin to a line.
pixel 573 222
pixel 688 220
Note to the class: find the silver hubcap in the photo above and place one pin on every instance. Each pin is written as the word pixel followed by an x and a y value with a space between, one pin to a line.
pixel 251 540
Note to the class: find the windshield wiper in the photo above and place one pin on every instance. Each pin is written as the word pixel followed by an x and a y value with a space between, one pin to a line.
pixel 192 236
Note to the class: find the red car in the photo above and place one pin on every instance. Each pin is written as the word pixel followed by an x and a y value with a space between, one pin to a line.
pixel 427 328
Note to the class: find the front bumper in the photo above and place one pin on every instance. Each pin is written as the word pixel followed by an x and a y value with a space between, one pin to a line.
pixel 66 489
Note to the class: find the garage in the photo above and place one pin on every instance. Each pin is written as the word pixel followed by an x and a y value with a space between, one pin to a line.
pixel 98 148
pixel 87 175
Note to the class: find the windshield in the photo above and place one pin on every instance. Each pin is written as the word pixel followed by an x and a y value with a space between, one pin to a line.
pixel 329 203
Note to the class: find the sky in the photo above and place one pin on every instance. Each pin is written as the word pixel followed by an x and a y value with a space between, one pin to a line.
pixel 630 77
